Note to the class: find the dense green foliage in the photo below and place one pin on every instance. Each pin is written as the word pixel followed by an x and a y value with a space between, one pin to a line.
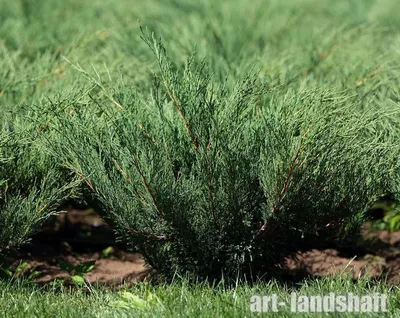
pixel 278 131
pixel 31 188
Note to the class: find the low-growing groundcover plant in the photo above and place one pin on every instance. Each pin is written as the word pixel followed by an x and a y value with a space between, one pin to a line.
pixel 215 181
pixel 31 187
pixel 208 167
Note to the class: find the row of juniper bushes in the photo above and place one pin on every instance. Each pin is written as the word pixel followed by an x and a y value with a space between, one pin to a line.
pixel 200 177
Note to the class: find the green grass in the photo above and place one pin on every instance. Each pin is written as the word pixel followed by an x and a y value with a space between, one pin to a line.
pixel 177 299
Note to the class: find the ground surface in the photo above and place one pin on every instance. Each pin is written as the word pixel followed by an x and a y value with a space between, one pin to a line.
pixel 81 236
pixel 178 299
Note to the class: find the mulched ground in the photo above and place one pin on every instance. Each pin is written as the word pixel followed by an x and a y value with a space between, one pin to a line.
pixel 383 264
pixel 80 236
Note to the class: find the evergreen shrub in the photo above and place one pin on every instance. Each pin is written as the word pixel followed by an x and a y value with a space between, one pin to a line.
pixel 215 181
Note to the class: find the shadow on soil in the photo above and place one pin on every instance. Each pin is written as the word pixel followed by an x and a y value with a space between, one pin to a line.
pixel 82 235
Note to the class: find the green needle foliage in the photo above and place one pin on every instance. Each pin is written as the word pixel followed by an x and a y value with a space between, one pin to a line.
pixel 32 185
pixel 28 196
pixel 279 139
pixel 217 181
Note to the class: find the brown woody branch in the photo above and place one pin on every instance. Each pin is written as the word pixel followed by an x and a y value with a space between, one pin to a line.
pixel 129 180
pixel 180 110
pixel 148 189
pixel 285 186
pixel 149 237
pixel 147 134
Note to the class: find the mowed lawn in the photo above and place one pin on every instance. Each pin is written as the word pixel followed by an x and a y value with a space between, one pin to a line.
pixel 181 299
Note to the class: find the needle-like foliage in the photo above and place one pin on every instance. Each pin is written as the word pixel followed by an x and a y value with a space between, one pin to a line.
pixel 275 135
pixel 214 181
pixel 28 196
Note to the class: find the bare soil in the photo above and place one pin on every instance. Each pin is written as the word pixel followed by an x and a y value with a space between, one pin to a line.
pixel 80 236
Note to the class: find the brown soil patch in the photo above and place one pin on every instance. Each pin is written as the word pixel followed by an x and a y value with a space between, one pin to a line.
pixel 378 257
pixel 329 262
pixel 111 271
pixel 79 237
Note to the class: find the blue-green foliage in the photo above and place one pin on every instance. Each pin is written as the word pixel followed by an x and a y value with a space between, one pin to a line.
pixel 277 132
